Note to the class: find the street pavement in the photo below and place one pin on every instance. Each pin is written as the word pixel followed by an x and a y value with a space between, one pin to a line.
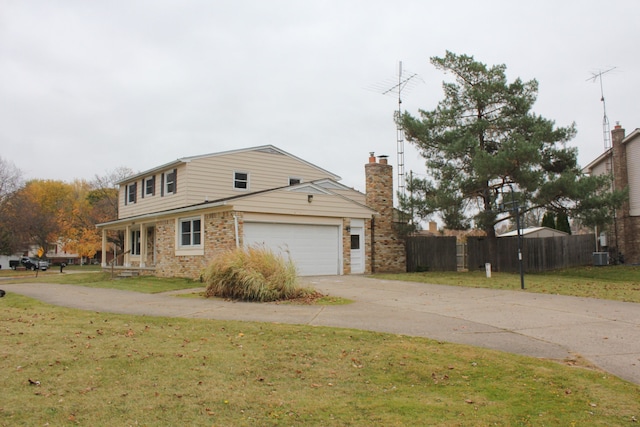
pixel 605 333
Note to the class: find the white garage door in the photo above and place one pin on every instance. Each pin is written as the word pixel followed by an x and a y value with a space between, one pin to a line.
pixel 314 248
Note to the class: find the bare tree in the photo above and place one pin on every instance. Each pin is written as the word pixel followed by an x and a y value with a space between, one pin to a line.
pixel 10 179
pixel 104 198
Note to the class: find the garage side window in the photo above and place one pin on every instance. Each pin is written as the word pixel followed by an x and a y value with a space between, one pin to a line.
pixel 355 241
pixel 190 232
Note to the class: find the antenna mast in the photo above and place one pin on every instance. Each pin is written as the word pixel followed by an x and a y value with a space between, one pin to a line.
pixel 402 83
pixel 606 129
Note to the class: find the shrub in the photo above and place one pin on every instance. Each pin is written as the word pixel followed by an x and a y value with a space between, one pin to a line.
pixel 252 274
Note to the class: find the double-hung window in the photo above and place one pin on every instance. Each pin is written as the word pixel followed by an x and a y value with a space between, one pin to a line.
pixel 149 186
pixel 131 193
pixel 190 232
pixel 170 182
pixel 241 180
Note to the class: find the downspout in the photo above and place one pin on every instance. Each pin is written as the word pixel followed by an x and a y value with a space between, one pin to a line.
pixel 235 226
pixel 373 244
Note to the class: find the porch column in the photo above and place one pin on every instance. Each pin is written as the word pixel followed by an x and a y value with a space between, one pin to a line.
pixel 143 245
pixel 103 261
pixel 126 260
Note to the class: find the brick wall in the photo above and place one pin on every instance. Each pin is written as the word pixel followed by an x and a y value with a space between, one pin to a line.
pixel 627 227
pixel 218 235
pixel 388 250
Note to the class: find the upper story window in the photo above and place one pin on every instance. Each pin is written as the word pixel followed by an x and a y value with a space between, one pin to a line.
pixel 170 182
pixel 149 186
pixel 190 232
pixel 241 180
pixel 131 193
pixel 294 181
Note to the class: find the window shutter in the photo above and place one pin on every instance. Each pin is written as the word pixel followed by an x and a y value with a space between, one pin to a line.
pixel 162 185
pixel 135 192
pixel 175 181
pixel 142 189
pixel 153 185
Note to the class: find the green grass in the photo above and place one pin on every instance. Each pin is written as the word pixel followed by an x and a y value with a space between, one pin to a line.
pixel 621 283
pixel 103 369
pixel 145 284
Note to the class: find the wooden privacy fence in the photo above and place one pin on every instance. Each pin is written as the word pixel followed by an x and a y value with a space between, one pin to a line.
pixel 538 254
pixel 438 253
pixel 431 253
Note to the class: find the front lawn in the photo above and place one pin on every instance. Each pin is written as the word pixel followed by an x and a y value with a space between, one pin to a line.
pixel 69 367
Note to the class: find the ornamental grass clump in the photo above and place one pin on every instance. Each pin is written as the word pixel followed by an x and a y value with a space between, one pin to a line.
pixel 252 274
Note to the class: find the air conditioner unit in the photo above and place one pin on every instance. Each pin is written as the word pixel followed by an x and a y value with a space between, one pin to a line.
pixel 600 258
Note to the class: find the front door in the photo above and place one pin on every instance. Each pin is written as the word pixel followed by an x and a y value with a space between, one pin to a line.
pixel 357 250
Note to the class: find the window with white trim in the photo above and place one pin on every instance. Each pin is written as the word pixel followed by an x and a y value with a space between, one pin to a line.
pixel 131 193
pixel 149 186
pixel 135 242
pixel 190 232
pixel 241 180
pixel 170 182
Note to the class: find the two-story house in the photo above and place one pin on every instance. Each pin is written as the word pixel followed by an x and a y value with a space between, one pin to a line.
pixel 178 216
pixel 622 161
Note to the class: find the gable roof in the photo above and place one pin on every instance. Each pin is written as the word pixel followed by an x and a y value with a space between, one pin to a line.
pixel 532 230
pixel 609 152
pixel 307 188
pixel 271 149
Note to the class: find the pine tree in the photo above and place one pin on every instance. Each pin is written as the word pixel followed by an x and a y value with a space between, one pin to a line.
pixel 483 140
pixel 549 220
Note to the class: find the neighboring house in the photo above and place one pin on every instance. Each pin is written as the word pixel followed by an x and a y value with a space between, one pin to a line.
pixel 54 254
pixel 533 232
pixel 622 160
pixel 178 216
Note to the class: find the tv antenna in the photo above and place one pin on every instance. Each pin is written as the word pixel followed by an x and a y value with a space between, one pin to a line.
pixel 606 130
pixel 404 82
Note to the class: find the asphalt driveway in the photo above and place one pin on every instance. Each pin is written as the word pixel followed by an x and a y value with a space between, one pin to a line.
pixel 607 333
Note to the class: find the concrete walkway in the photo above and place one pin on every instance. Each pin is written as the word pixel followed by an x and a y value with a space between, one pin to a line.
pixel 606 333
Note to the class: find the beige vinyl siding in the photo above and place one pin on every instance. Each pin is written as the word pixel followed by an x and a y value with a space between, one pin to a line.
pixel 158 202
pixel 296 203
pixel 354 195
pixel 288 219
pixel 601 168
pixel 633 171
pixel 211 178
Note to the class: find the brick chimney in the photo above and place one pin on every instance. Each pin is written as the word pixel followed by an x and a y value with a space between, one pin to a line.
pixel 387 249
pixel 619 151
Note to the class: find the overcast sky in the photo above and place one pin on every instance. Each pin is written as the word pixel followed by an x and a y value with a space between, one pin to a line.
pixel 89 86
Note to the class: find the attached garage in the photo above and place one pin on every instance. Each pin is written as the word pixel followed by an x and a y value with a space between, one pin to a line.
pixel 315 248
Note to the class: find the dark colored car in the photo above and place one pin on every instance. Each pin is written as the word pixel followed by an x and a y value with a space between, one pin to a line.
pixel 34 263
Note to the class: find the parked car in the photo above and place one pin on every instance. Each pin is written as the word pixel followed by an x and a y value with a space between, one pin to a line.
pixel 13 263
pixel 32 263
